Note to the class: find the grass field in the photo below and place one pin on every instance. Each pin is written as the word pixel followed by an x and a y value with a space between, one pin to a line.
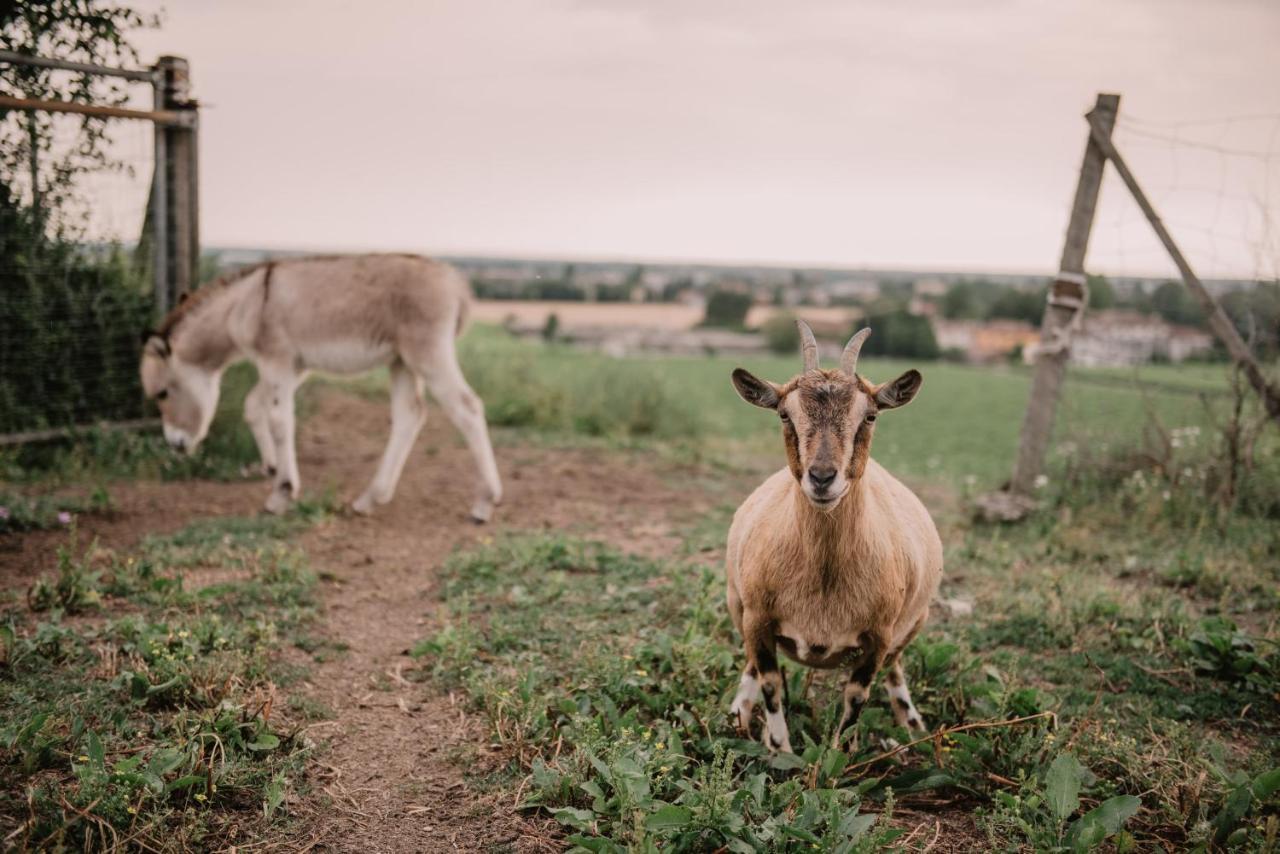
pixel 1115 685
pixel 964 424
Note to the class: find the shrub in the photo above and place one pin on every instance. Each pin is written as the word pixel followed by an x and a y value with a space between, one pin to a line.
pixel 727 309
pixel 900 333
pixel 70 321
pixel 781 333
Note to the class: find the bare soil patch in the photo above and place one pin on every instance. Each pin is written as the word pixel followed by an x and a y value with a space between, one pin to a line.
pixel 400 765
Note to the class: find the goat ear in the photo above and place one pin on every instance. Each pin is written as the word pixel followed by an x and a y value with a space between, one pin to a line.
pixel 155 344
pixel 898 392
pixel 755 391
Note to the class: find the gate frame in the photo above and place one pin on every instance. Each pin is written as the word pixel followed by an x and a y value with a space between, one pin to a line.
pixel 172 222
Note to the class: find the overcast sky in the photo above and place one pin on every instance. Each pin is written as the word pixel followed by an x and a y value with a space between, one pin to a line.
pixel 940 134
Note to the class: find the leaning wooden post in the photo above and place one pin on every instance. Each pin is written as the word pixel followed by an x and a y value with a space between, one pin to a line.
pixel 1064 310
pixel 1216 317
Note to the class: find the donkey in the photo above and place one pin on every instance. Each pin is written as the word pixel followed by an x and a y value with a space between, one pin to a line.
pixel 832 558
pixel 343 314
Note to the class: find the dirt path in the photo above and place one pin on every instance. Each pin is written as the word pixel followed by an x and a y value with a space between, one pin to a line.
pixel 396 766
pixel 392 764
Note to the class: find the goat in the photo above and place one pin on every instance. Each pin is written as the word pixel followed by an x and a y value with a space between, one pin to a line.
pixel 338 313
pixel 831 558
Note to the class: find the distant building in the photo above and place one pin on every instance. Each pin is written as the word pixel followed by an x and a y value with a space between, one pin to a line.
pixel 923 307
pixel 931 286
pixel 1120 337
pixel 981 341
pixel 862 290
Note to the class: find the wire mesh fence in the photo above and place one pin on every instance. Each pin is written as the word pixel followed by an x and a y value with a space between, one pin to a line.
pixel 81 234
pixel 1148 381
pixel 74 291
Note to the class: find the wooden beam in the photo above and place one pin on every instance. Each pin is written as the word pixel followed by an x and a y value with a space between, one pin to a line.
pixel 1217 318
pixel 51 433
pixel 174 118
pixel 137 75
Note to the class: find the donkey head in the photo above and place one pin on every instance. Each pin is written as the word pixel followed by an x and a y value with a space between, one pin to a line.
pixel 828 417
pixel 186 393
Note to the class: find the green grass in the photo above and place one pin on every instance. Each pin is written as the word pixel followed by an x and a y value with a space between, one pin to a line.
pixel 1141 666
pixel 98 456
pixel 962 428
pixel 138 713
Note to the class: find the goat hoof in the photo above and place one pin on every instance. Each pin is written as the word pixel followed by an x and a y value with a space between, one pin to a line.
pixel 740 712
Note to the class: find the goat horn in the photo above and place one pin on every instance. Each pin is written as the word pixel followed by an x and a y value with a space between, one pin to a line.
pixel 808 346
pixel 849 359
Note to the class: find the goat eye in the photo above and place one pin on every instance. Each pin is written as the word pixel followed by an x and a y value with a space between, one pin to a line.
pixel 162 394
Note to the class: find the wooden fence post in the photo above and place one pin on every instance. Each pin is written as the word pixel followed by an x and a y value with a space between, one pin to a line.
pixel 175 192
pixel 1064 310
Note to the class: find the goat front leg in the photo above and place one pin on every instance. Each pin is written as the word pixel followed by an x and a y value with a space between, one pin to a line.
pixel 858 687
pixel 745 700
pixel 761 646
pixel 280 417
pixel 905 713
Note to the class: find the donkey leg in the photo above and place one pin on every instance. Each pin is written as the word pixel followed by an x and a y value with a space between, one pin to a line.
pixel 256 415
pixel 280 417
pixel 408 414
pixel 895 685
pixel 466 411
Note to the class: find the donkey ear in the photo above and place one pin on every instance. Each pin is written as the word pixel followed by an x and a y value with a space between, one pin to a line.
pixel 755 391
pixel 155 344
pixel 898 392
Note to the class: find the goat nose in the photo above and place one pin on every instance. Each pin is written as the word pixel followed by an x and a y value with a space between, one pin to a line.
pixel 822 476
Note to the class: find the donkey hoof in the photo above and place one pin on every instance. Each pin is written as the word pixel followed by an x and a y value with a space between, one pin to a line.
pixel 481 511
pixel 278 503
pixel 363 505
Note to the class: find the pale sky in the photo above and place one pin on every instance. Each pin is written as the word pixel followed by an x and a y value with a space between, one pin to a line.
pixel 937 134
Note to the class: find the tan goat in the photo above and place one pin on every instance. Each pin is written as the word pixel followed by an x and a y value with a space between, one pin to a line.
pixel 832 558
pixel 343 314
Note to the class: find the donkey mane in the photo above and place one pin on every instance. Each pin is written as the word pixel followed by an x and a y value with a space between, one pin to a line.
pixel 192 300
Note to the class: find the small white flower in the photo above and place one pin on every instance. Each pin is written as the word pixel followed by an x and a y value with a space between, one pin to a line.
pixel 1165 495
pixel 1041 481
